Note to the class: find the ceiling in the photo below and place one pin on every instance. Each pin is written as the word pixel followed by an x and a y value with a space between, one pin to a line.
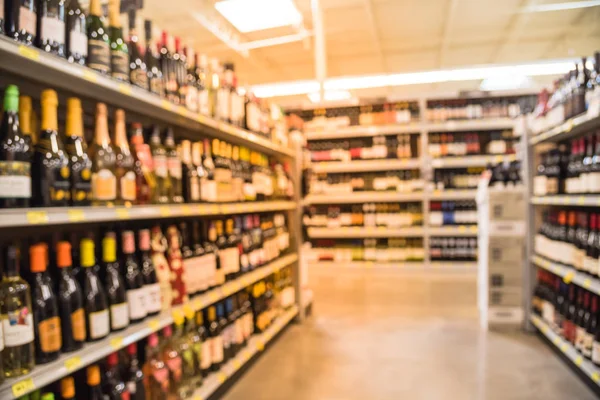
pixel 391 36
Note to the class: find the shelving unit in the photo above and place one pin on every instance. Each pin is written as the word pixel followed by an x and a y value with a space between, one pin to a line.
pixel 408 266
pixel 470 161
pixel 362 197
pixel 368 232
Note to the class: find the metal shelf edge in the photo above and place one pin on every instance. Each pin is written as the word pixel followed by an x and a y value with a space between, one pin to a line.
pixel 567 200
pixel 356 232
pixel 359 197
pixel 567 273
pixel 567 129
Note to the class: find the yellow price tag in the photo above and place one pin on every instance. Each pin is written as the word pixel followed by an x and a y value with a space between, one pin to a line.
pixel 198 305
pixel 225 209
pixel 260 346
pixel 166 105
pixel 90 75
pixel 182 111
pixel 222 377
pixel 473 229
pixel 73 363
pixel 154 324
pixel 580 200
pixel 587 283
pixel 164 211
pixel 116 343
pixel 596 377
pixel 369 264
pixel 564 347
pixel 23 387
pixel 236 364
pixel 125 89
pixel 213 297
pixel 76 215
pixel 214 209
pixel 29 52
pixel 569 126
pixel 556 341
pixel 186 210
pixel 37 217
pixel 462 228
pixel 579 361
pixel 568 277
pixel 122 213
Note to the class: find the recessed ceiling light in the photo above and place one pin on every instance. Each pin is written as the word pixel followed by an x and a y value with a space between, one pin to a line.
pixel 256 15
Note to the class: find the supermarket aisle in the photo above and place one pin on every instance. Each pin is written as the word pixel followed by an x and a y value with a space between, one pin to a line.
pixel 379 354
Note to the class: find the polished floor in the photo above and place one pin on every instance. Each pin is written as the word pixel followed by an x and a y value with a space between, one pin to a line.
pixel 380 335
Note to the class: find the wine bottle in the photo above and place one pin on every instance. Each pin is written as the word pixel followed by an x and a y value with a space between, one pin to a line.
pixel 167 67
pixel 21 20
pixel 221 243
pixel 80 163
pixel 125 163
pixel 104 181
pixel 50 161
pixel 67 388
pixel 96 303
pixel 70 301
pixel 191 182
pixel 15 155
pixel 51 27
pixel 17 318
pixel 228 319
pixel 119 54
pixel 144 175
pixel 138 74
pixel 115 287
pixel 99 52
pixel 151 284
pixel 161 171
pixel 29 136
pixel 183 348
pixel 214 332
pixel 237 181
pixel 208 185
pixel 206 345
pixel 213 89
pixel 152 58
pixel 225 331
pixel 233 252
pixel 93 382
pixel 202 75
pixel 113 386
pixel 190 262
pixel 179 60
pixel 191 99
pixel 156 371
pixel 174 166
pixel 178 286
pixel 76 33
pixel 134 279
pixel 211 258
pixel 135 377
pixel 194 342
pixel 173 362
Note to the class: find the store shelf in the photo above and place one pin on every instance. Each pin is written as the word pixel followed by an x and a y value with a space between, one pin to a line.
pixel 68 363
pixel 568 129
pixel 579 362
pixel 568 200
pixel 361 232
pixel 400 266
pixel 455 266
pixel 362 197
pixel 470 161
pixel 471 125
pixel 452 194
pixel 569 274
pixel 54 72
pixel 74 215
pixel 459 230
pixel 366 165
pixel 344 132
pixel 256 344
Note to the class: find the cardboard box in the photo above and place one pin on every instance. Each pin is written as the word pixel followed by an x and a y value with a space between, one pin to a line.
pixel 506 297
pixel 507 206
pixel 505 252
pixel 505 277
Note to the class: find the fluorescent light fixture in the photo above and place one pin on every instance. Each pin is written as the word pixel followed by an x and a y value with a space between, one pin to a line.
pixel 556 67
pixel 255 15
pixel 330 95
pixel 506 82
pixel 561 6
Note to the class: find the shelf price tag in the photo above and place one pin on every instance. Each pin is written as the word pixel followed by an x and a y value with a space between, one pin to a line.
pixel 37 217
pixel 186 210
pixel 580 200
pixel 579 361
pixel 213 296
pixel 236 364
pixel 29 52
pixel 564 348
pixel 569 277
pixel 122 213
pixel 90 76
pixel 462 228
pixel 154 324
pixel 76 215
pixel 556 341
pixel 164 211
pixel 596 377
pixel 116 343
pixel 23 387
pixel 587 283
pixel 260 345
pixel 125 89
pixel 166 105
pixel 222 377
pixel 73 363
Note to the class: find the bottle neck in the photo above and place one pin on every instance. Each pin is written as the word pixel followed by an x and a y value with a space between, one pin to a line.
pixel 102 138
pixel 49 119
pixel 95 8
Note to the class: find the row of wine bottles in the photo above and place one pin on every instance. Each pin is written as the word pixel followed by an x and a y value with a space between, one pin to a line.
pixel 375 250
pixel 369 215
pixel 570 311
pixel 174 362
pixel 80 301
pixel 458 212
pixel 168 69
pixel 60 170
pixel 377 147
pixel 453 248
pixel 403 181
pixel 470 143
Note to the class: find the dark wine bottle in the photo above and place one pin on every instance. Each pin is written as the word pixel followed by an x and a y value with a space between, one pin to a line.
pixel 135 376
pixel 206 345
pixel 152 58
pixel 98 40
pixel 144 175
pixel 113 386
pixel 76 34
pixel 134 280
pixel 51 170
pixel 47 327
pixel 167 66
pixel 151 285
pixel 161 171
pixel 80 163
pixel 96 303
pixel 174 166
pixel 70 301
pixel 214 332
pixel 15 155
pixel 21 20
pixel 119 54
pixel 191 182
pixel 126 190
pixel 51 26
pixel 93 382
pixel 138 75
pixel 113 282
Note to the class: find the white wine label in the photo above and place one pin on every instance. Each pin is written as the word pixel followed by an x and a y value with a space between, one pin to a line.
pixel 203 102
pixel 579 337
pixel 27 19
pixel 208 190
pixel 136 300
pixel 104 185
pixel 120 65
pixel 174 166
pixel 160 166
pixel 1 333
pixel 191 99
pixel 239 331
pixel 216 350
pixel 223 104
pixel 206 354
pixel 119 316
pixel 131 387
pixel 596 352
pixel 53 30
pixel 18 327
pixel 15 179
pixel 99 324
pixel 588 343
pixel 153 304
pixel 191 271
pixel 195 190
pixel 230 260
pixel 78 43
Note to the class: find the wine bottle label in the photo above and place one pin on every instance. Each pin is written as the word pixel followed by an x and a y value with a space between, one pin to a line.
pixel 50 335
pixel 191 98
pixel 161 376
pixel 249 192
pixel 596 352
pixel 99 55
pixel 18 327
pixel 249 330
pixel 203 102
pixel 53 30
pixel 228 335
pixel 104 185
pixel 588 344
pixel 194 189
pixel 128 186
pixel 238 331
pixel 15 179
pixel 119 61
pixel 190 271
pixel 244 262
pixel 81 185
pixel 136 301
pixel 208 267
pixel 131 387
pixel 594 182
pixel 174 166
pixel 216 350
pixel 99 323
pixel 139 77
pixel 27 20
pixel 223 104
pixel 208 190
pixel 174 365
pixel 78 325
pixel 1 332
pixel 78 43
pixel 206 355
pixel 152 303
pixel 156 86
pixel 160 166
pixel 579 336
pixel 119 316
pixel 230 260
